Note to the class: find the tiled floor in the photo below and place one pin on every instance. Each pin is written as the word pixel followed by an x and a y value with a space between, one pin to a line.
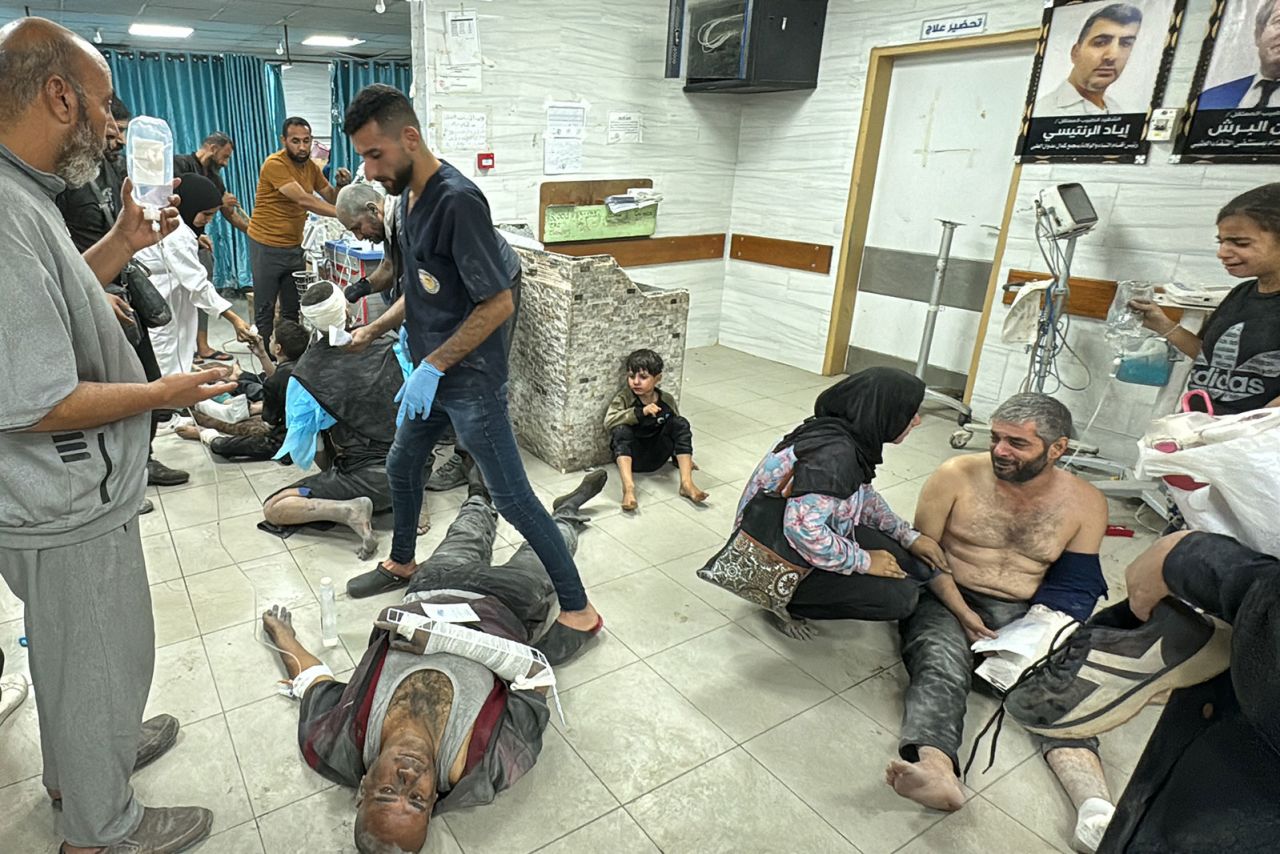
pixel 692 726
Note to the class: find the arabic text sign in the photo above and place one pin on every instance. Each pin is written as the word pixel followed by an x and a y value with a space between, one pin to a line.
pixel 950 28
pixel 1084 136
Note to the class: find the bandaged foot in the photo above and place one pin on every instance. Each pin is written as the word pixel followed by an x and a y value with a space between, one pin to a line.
pixel 796 628
pixel 931 782
pixel 1091 825
pixel 207 435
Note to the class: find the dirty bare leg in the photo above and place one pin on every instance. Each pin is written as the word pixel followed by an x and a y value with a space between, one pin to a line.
pixel 278 623
pixel 628 484
pixel 688 488
pixel 293 508
pixel 1079 771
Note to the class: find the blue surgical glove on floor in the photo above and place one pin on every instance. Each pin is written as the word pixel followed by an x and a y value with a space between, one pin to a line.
pixel 418 392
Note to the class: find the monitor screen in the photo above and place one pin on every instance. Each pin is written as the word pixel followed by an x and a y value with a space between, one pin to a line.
pixel 1079 208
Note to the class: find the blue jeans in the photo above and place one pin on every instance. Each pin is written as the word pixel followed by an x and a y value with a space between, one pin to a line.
pixel 483 427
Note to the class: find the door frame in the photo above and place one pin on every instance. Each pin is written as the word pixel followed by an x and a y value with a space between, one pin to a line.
pixel 866 161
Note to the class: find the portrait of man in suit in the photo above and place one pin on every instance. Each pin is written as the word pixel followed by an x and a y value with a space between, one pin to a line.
pixel 1257 89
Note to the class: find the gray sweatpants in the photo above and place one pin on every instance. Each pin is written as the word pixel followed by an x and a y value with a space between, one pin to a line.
pixel 463 561
pixel 940 663
pixel 92 652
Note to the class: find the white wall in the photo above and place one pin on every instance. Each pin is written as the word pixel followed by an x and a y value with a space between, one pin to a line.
pixel 306 94
pixel 611 56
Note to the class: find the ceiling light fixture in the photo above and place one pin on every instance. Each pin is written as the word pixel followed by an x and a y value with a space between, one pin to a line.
pixel 280 48
pixel 380 7
pixel 97 36
pixel 331 41
pixel 160 31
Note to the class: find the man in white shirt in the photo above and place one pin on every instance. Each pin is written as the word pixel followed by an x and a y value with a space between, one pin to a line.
pixel 1256 90
pixel 177 273
pixel 1098 58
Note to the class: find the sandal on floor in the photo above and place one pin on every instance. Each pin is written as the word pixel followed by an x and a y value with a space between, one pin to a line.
pixel 375 581
pixel 562 643
pixel 217 356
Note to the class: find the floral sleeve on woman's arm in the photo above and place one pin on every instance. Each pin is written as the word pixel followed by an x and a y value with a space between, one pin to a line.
pixel 806 529
pixel 877 514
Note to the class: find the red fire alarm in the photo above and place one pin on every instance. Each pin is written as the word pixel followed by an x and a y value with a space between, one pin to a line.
pixel 484 161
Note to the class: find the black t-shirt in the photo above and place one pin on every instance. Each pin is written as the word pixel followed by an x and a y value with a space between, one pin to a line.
pixel 273 394
pixel 185 163
pixel 453 260
pixel 90 209
pixel 1239 365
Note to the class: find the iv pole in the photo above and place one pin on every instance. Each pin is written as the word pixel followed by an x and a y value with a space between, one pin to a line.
pixel 931 320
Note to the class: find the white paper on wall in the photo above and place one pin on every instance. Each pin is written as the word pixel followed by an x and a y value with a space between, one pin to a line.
pixel 462 37
pixel 449 78
pixel 625 128
pixel 566 120
pixel 459 131
pixel 561 155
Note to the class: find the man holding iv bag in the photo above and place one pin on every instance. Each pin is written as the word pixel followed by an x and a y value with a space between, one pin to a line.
pixel 73 446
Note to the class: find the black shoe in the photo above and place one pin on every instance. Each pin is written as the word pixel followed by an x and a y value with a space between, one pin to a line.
pixel 146 507
pixel 474 480
pixel 568 506
pixel 452 474
pixel 375 581
pixel 159 474
pixel 1101 677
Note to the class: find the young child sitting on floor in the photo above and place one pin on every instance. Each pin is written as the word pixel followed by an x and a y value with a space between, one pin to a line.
pixel 646 430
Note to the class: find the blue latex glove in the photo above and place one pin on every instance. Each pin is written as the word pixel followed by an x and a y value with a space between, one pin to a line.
pixel 418 392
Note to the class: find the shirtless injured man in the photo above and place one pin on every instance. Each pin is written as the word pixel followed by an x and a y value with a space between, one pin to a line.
pixel 442 717
pixel 1017 531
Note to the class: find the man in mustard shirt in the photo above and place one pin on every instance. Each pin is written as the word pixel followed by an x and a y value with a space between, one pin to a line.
pixel 288 184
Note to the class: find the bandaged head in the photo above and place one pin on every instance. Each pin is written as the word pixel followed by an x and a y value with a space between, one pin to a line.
pixel 324 307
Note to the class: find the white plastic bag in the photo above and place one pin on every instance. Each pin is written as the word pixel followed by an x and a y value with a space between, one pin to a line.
pixel 1238 456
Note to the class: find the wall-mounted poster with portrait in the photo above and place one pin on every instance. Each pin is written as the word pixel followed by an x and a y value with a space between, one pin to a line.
pixel 1100 69
pixel 1234 113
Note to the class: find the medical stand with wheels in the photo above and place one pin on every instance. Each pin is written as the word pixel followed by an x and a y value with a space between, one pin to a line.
pixel 931 320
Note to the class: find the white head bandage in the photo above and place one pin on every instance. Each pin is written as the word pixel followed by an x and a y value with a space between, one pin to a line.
pixel 332 312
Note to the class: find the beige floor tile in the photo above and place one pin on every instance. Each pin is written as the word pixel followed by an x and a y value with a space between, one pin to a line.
pixel 615 833
pixel 356 616
pixel 1032 795
pixel 636 732
pixel 155 521
pixel 267 483
pixel 729 392
pixel 183 685
pixel 11 607
pixel 245 670
pixel 243 540
pixel 200 548
pixel 162 560
pixel 844 653
pixel 738 682
pixel 726 424
pixel 650 612
pixel 335 558
pixel 323 824
pixel 27 824
pixel 20 743
pixel 1123 746
pixel 721 807
pixel 535 810
pixel 171 607
pixel 717 513
pixel 725 461
pixel 231 595
pixel 684 572
pixel 902 497
pixel 201 769
pixel 978 828
pixel 603 655
pixel 834 757
pixel 602 558
pixel 906 463
pixel 691 404
pixel 265 735
pixel 200 504
pixel 238 840
pixel 659 533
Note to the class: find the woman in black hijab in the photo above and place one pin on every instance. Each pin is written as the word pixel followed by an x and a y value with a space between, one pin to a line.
pixel 868 563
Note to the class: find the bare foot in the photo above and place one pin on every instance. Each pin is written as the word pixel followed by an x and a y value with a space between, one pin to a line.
pixel 797 628
pixel 188 431
pixel 584 621
pixel 358 516
pixel 691 492
pixel 926 784
pixel 404 570
pixel 424 519
pixel 629 502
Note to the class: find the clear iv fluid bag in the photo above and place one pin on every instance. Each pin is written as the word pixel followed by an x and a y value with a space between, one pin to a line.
pixel 149 152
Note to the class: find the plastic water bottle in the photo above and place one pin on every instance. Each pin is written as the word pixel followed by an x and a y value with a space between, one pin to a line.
pixel 328 613
pixel 149 153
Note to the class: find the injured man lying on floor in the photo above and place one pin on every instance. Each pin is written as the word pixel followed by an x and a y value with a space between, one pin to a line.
pixel 1017 532
pixel 347 401
pixel 438 715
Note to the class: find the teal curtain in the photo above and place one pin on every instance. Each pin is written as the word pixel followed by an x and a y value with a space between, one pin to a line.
pixel 346 78
pixel 242 96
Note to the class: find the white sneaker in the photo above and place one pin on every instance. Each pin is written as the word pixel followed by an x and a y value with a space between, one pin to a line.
pixel 1091 825
pixel 13 690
